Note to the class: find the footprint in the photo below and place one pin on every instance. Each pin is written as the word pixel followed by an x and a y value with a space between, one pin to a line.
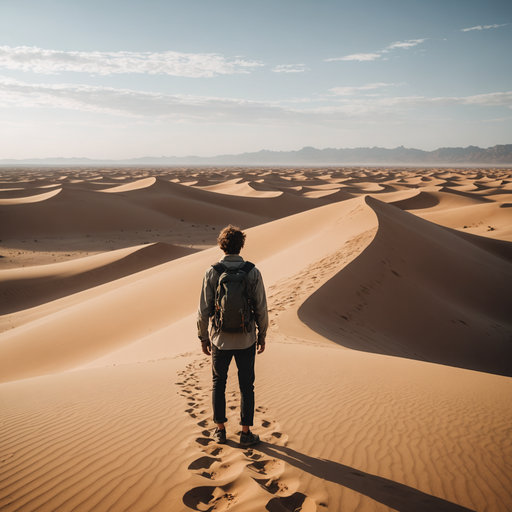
pixel 199 498
pixel 277 438
pixel 215 498
pixel 269 468
pixel 225 470
pixel 203 441
pixel 202 463
pixel 268 424
pixel 273 486
pixel 296 501
pixel 215 451
pixel 252 455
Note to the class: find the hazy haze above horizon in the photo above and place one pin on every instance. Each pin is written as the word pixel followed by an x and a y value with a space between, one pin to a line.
pixel 127 79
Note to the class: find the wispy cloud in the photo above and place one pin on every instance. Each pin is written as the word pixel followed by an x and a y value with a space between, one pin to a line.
pixel 404 45
pixel 290 68
pixel 357 56
pixel 203 109
pixel 348 91
pixel 129 103
pixel 194 65
pixel 502 99
pixel 483 27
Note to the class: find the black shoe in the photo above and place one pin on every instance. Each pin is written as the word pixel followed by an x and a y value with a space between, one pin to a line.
pixel 219 436
pixel 248 438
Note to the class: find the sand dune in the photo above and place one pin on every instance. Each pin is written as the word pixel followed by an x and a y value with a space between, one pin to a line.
pixel 144 183
pixel 448 296
pixel 33 198
pixel 141 302
pixel 28 287
pixel 236 188
pixel 386 380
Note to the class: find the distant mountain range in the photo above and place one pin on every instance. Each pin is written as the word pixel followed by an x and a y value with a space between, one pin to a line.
pixel 472 155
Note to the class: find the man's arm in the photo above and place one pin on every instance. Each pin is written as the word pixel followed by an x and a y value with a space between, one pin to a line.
pixel 204 311
pixel 260 310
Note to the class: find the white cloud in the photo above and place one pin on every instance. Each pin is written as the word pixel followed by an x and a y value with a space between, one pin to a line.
pixel 405 44
pixel 480 27
pixel 129 103
pixel 377 55
pixel 290 68
pixel 502 99
pixel 106 63
pixel 347 91
pixel 203 109
pixel 357 56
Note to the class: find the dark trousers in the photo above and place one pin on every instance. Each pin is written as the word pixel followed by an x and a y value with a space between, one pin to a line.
pixel 245 363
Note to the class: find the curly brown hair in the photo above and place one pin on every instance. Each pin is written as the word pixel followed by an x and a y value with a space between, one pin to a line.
pixel 231 240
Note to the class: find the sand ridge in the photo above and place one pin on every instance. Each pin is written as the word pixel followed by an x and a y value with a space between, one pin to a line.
pixel 386 380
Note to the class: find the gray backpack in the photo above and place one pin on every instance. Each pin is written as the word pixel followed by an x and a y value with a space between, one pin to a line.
pixel 233 305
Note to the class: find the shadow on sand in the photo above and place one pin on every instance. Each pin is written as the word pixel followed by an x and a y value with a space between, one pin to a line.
pixel 392 494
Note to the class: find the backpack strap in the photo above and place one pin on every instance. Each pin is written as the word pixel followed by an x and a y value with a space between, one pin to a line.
pixel 219 267
pixel 248 266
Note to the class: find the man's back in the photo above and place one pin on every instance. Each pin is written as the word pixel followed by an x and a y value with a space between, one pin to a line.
pixel 237 340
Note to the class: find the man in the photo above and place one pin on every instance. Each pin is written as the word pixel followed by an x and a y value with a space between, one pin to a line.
pixel 222 345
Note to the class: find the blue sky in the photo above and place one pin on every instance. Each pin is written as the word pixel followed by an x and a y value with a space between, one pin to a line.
pixel 125 79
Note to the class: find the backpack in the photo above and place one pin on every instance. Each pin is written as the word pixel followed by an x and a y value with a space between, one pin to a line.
pixel 233 308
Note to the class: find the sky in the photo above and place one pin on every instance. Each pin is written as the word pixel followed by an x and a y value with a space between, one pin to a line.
pixel 122 79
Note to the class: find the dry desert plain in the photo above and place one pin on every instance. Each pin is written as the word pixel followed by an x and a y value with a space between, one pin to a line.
pixel 386 383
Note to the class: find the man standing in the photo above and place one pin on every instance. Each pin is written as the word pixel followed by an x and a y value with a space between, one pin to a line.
pixel 233 334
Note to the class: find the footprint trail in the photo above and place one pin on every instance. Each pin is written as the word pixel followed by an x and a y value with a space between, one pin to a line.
pixel 232 473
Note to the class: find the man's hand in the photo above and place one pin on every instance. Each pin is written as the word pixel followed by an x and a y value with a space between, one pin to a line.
pixel 205 346
pixel 261 347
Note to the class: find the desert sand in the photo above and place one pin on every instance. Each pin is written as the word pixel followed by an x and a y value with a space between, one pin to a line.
pixel 386 382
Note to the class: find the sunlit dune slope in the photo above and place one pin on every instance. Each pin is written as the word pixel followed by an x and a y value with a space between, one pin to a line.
pixel 24 197
pixel 420 291
pixel 24 288
pixel 121 312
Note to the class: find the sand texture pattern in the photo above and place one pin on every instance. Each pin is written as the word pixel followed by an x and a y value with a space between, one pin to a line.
pixel 386 381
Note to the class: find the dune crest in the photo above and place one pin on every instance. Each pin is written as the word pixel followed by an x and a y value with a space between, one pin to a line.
pixel 35 198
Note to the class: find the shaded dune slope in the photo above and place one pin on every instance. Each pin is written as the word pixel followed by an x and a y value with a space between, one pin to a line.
pixel 25 288
pixel 80 211
pixel 423 292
